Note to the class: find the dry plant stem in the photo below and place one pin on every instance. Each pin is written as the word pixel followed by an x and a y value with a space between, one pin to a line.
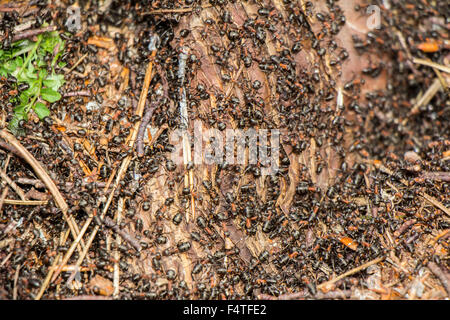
pixel 179 10
pixel 43 175
pixel 350 272
pixel 88 297
pixel 32 33
pixel 77 94
pixel 443 276
pixel 125 236
pixel 39 185
pixel 404 227
pixel 10 148
pixel 426 98
pixel 432 64
pixel 52 268
pixel 16 278
pixel 438 175
pixel 77 63
pixel 187 156
pixel 26 202
pixel 72 247
pixel 3 196
pixel 338 294
pixel 436 203
pixel 6 259
pixel 12 184
pixel 145 121
pixel 127 160
pixel 116 275
pixel 426 196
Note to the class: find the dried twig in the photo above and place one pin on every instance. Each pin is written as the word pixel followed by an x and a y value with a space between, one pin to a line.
pixel 187 157
pixel 77 94
pixel 16 278
pixel 435 202
pixel 432 64
pixel 39 185
pixel 13 185
pixel 125 162
pixel 443 276
pixel 3 196
pixel 73 246
pixel 25 202
pixel 10 148
pixel 52 268
pixel 426 98
pixel 404 227
pixel 88 297
pixel 43 175
pixel 116 275
pixel 32 33
pixel 145 120
pixel 125 235
pixel 40 171
pixel 350 272
pixel 177 10
pixel 338 294
pixel 437 175
pixel 77 63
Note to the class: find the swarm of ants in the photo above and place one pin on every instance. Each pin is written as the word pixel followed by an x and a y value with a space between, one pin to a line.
pixel 363 174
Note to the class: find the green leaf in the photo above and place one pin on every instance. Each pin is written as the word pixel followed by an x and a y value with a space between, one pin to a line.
pixel 49 41
pixel 24 97
pixel 14 123
pixel 54 81
pixel 41 110
pixel 50 95
pixel 21 111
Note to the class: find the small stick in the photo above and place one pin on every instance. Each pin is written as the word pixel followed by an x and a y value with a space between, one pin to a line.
pixel 429 94
pixel 52 268
pixel 125 162
pixel 10 148
pixel 178 10
pixel 348 273
pixel 338 294
pixel 32 33
pixel 77 63
pixel 77 94
pixel 42 174
pixel 431 64
pixel 435 202
pixel 187 156
pixel 88 297
pixel 437 175
pixel 73 246
pixel 116 275
pixel 13 185
pixel 6 259
pixel 404 227
pixel 16 278
pixel 443 276
pixel 145 120
pixel 125 236
pixel 3 196
pixel 25 202
pixel 39 185
pixel 425 195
